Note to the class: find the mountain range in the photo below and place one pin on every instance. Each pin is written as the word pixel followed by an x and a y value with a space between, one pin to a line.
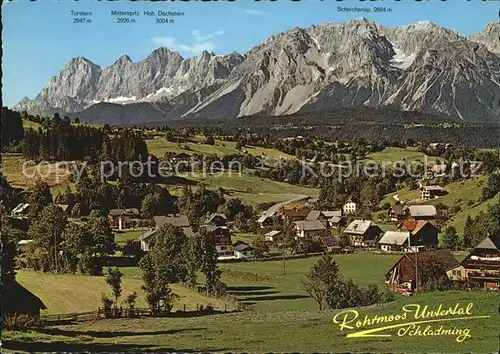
pixel 417 67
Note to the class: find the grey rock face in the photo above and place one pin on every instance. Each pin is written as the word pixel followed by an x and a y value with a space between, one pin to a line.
pixel 416 67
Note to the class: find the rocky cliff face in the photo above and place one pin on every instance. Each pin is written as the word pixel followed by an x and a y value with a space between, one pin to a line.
pixel 417 67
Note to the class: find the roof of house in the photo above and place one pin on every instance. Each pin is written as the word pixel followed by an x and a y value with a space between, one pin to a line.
pixel 303 212
pixel 242 246
pixel 444 256
pixel 64 207
pixel 310 225
pixel 439 168
pixel 433 188
pixel 273 233
pixel 490 243
pixel 336 219
pixel 127 212
pixel 394 238
pixel 400 209
pixel 422 210
pixel 263 218
pixel 20 208
pixel 212 216
pixel 313 215
pixel 414 226
pixel 176 220
pixel 359 227
pixel 212 228
pixel 329 241
pixel 146 235
pixel 331 213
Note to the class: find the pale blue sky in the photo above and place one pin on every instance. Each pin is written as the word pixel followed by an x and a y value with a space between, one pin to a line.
pixel 39 38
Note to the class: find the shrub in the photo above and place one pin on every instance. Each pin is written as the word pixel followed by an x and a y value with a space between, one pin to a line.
pixel 107 304
pixel 22 321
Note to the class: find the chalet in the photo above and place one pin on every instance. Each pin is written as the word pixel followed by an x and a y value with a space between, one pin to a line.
pixel 362 232
pixel 349 207
pixel 272 235
pixel 21 210
pixel 216 225
pixel 429 192
pixel 243 250
pixel 398 212
pixel 481 266
pixel 402 274
pixel 122 218
pixel 307 228
pixel 422 212
pixel 265 220
pixel 394 241
pixel 222 237
pixel 423 233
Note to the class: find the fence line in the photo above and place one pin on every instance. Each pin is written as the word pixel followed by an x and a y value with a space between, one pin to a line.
pixel 128 313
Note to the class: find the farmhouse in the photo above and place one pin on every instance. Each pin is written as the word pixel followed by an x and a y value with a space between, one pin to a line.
pixel 398 212
pixel 180 221
pixel 329 243
pixel 337 221
pixel 481 266
pixel 307 228
pixel 429 192
pixel 122 218
pixel 402 274
pixel 362 232
pixel 349 207
pixel 243 250
pixel 394 241
pixel 423 233
pixel 422 212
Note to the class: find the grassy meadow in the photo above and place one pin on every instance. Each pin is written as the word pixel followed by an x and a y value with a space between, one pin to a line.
pixel 278 317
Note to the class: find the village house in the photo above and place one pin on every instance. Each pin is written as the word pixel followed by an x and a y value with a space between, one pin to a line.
pixel 243 250
pixel 481 266
pixel 329 243
pixel 21 210
pixel 180 221
pixel 362 232
pixel 307 228
pixel 265 220
pixel 337 222
pixel 322 215
pixel 216 225
pixel 430 192
pixel 272 236
pixel 398 212
pixel 422 212
pixel 402 274
pixel 394 241
pixel 423 233
pixel 122 218
pixel 293 214
pixel 349 207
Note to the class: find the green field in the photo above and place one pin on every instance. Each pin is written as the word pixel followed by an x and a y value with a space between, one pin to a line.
pixel 67 293
pixel 159 147
pixel 27 124
pixel 393 154
pixel 121 237
pixel 253 189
